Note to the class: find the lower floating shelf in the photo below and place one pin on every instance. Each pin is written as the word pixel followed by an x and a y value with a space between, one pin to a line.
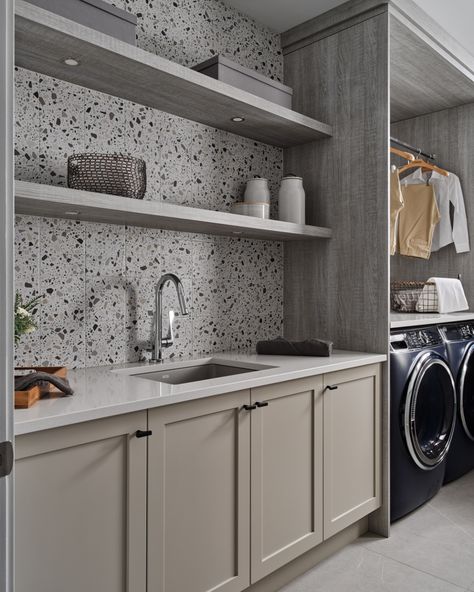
pixel 60 202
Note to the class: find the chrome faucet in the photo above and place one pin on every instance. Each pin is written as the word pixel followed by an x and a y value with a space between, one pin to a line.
pixel 160 341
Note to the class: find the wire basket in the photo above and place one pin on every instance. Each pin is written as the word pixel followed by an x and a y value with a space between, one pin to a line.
pixel 412 296
pixel 115 174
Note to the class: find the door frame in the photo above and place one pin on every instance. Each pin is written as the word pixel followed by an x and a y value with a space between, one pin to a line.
pixel 7 286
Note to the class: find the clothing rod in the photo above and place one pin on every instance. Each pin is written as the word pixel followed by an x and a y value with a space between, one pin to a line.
pixel 412 148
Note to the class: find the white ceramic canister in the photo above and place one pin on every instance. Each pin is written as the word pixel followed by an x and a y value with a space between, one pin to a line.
pixel 291 200
pixel 257 210
pixel 257 191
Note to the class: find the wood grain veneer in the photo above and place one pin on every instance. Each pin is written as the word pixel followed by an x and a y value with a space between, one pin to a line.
pixel 339 290
pixel 60 202
pixel 450 135
pixel 44 40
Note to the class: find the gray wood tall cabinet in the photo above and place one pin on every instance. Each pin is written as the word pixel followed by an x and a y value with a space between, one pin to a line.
pixel 359 67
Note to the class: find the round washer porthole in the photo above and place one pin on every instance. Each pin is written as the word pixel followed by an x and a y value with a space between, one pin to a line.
pixel 466 393
pixel 430 411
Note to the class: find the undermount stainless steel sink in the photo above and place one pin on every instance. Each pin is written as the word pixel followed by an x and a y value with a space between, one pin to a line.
pixel 196 372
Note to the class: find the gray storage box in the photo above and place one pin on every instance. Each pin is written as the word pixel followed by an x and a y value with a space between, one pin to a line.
pixel 228 71
pixel 95 14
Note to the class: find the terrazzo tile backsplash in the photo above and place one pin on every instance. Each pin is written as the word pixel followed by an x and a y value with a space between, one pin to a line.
pixel 98 280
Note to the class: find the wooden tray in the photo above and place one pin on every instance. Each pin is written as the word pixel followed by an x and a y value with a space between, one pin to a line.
pixel 25 399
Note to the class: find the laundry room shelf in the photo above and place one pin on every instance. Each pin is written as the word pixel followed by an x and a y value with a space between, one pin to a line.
pixel 45 40
pixel 60 202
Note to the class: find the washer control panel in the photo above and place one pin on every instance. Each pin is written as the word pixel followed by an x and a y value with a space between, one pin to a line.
pixel 458 332
pixel 414 339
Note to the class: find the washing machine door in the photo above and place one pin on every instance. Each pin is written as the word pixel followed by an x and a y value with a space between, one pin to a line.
pixel 430 411
pixel 466 392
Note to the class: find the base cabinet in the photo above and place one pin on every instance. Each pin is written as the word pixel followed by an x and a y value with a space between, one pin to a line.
pixel 80 508
pixel 199 495
pixel 224 490
pixel 286 474
pixel 352 446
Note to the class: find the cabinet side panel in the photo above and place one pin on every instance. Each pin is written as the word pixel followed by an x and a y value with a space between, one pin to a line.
pixel 339 290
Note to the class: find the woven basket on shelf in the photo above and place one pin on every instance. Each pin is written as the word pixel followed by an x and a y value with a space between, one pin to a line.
pixel 116 174
pixel 404 296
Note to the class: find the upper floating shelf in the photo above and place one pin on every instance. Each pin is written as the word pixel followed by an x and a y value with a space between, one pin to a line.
pixel 60 202
pixel 429 71
pixel 44 40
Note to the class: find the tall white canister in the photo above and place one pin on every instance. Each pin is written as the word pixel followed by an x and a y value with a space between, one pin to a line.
pixel 291 200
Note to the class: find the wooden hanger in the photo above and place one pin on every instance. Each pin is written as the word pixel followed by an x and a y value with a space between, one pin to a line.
pixel 406 155
pixel 418 162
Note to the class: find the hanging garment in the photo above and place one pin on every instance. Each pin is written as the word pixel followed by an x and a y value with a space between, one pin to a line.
pixel 396 204
pixel 417 221
pixel 448 191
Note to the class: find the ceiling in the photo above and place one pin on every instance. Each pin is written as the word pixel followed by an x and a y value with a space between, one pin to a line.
pixel 281 15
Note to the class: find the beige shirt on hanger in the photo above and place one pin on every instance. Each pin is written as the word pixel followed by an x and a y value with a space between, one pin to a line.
pixel 396 204
pixel 448 192
pixel 417 221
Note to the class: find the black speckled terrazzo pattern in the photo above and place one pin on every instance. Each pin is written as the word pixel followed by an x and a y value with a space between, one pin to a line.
pixel 98 280
pixel 191 31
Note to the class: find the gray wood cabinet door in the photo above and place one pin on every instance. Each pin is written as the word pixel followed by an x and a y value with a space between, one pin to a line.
pixel 352 446
pixel 80 507
pixel 286 473
pixel 198 495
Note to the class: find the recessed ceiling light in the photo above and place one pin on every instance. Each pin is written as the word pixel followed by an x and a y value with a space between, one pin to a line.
pixel 237 119
pixel 72 213
pixel 71 62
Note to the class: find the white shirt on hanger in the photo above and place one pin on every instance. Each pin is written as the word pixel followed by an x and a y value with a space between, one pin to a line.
pixel 448 191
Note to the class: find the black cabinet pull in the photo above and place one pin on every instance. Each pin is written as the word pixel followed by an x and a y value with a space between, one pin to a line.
pixel 261 403
pixel 249 407
pixel 143 433
pixel 331 387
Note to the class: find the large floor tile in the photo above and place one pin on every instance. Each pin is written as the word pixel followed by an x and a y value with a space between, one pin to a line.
pixel 356 569
pixel 456 503
pixel 451 560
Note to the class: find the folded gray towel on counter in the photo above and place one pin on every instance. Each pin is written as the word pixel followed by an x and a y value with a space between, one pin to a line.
pixel 25 382
pixel 283 347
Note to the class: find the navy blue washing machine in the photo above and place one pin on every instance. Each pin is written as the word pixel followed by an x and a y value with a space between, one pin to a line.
pixel 423 416
pixel 459 340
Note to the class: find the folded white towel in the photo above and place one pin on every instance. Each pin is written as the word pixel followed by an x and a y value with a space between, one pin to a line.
pixel 451 297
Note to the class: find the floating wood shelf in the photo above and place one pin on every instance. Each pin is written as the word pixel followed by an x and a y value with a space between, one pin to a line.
pixel 60 202
pixel 44 40
pixel 429 71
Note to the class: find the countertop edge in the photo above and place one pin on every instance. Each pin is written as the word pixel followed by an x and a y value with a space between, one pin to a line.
pixel 409 320
pixel 282 375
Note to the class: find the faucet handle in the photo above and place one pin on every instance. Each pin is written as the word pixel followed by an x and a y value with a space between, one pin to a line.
pixel 169 339
pixel 171 315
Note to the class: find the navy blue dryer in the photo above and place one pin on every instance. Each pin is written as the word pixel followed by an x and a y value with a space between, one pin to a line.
pixel 423 416
pixel 459 339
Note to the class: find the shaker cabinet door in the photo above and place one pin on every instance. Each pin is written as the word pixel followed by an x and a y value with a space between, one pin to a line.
pixel 352 443
pixel 80 507
pixel 286 473
pixel 198 495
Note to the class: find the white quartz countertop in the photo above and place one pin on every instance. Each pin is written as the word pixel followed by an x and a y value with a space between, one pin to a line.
pixel 110 390
pixel 400 320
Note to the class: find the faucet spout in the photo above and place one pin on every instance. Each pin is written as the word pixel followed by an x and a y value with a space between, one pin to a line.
pixel 160 341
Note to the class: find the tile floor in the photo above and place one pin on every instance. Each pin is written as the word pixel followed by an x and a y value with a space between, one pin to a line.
pixel 431 550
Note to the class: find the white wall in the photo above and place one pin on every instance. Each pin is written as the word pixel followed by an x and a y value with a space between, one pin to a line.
pixel 456 16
